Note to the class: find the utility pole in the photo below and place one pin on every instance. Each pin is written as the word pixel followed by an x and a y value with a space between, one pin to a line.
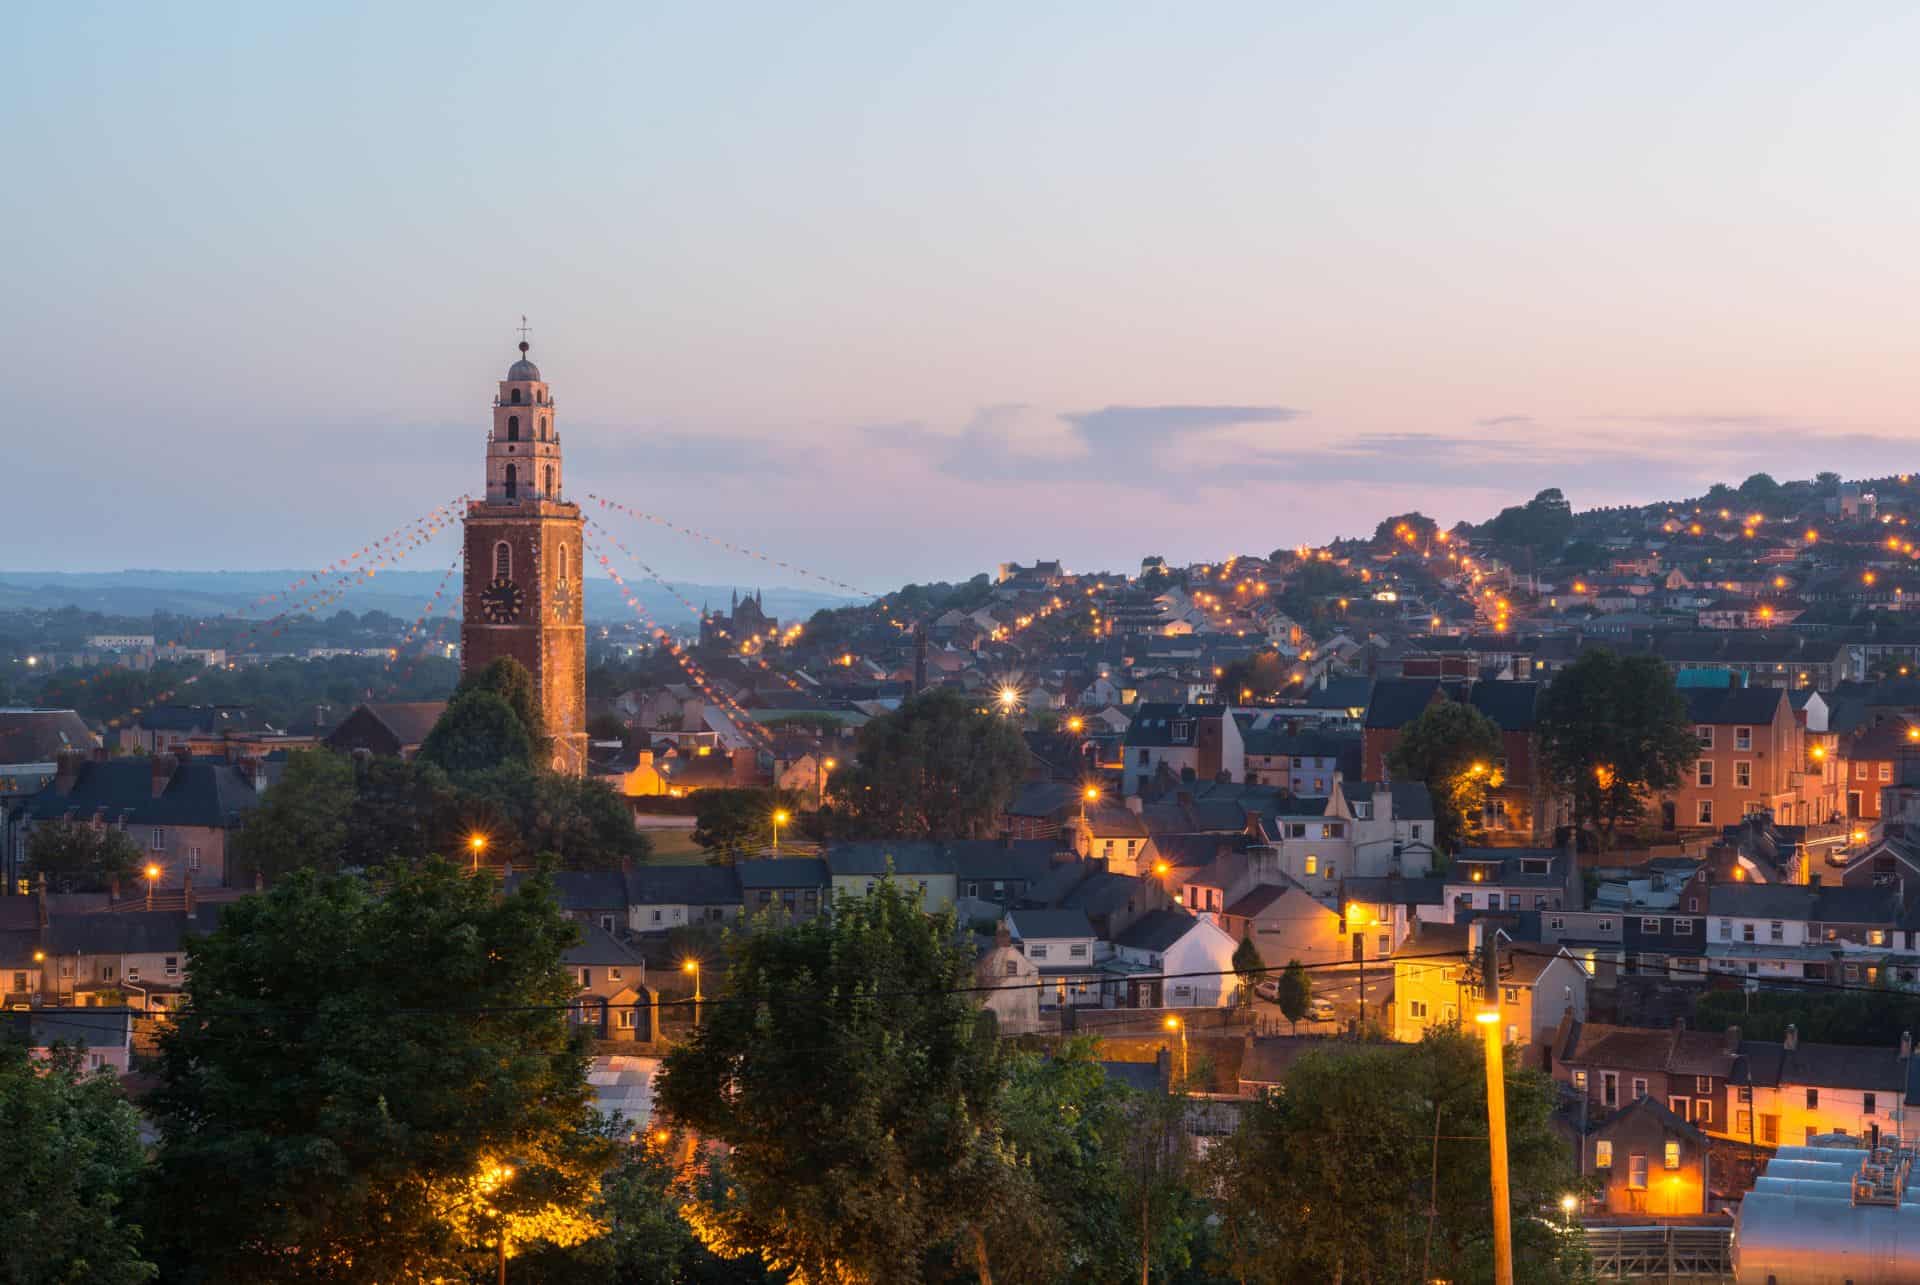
pixel 1489 1020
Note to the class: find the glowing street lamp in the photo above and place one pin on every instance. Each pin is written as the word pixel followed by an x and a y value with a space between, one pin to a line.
pixel 1569 1203
pixel 476 843
pixel 1175 1024
pixel 779 819
pixel 1009 698
pixel 693 966
pixel 152 876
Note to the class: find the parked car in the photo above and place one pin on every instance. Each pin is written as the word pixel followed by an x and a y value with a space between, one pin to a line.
pixel 1320 1009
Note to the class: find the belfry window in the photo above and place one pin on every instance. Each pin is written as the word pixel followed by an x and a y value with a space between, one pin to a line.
pixel 516 397
pixel 513 482
pixel 513 428
pixel 502 561
pixel 543 428
pixel 550 492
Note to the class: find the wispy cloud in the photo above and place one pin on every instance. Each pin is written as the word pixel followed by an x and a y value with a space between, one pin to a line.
pixel 1134 428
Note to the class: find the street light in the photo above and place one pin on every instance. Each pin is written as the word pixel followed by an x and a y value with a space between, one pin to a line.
pixel 693 966
pixel 779 819
pixel 1175 1024
pixel 478 844
pixel 1489 1020
pixel 1009 698
pixel 1569 1203
pixel 496 1177
pixel 152 873
pixel 1358 918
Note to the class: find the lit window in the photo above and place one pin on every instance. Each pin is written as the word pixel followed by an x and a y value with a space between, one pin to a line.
pixel 1673 1155
pixel 1313 864
pixel 1603 1154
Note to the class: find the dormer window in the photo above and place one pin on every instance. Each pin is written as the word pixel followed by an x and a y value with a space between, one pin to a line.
pixel 1182 731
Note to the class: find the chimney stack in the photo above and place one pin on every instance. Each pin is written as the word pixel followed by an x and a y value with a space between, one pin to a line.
pixel 163 768
pixel 1733 1041
pixel 1163 1065
pixel 41 895
pixel 1791 1040
pixel 66 770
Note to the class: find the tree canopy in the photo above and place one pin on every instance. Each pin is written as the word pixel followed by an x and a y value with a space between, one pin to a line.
pixel 856 1087
pixel 735 824
pixel 1454 749
pixel 939 767
pixel 1331 1177
pixel 1614 731
pixel 70 1160
pixel 375 1085
pixel 78 857
pixel 1259 677
pixel 1543 523
pixel 478 732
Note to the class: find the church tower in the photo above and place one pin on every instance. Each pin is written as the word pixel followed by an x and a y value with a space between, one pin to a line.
pixel 523 581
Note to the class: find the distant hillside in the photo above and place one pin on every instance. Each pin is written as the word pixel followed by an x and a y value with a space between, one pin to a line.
pixel 402 593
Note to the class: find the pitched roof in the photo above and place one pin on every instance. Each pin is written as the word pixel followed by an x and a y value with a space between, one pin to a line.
pixel 409 721
pixel 1156 930
pixel 1390 891
pixel 1761 900
pixel 1669 1122
pixel 1153 723
pixel 134 932
pixel 683 886
pixel 92 1028
pixel 580 889
pixel 1512 706
pixel 37 735
pixel 199 793
pixel 1395 702
pixel 1748 706
pixel 1029 924
pixel 599 947
pixel 783 872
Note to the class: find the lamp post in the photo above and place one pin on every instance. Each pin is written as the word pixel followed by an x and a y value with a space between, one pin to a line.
pixel 1489 1021
pixel 1569 1203
pixel 779 819
pixel 152 873
pixel 1358 919
pixel 693 966
pixel 496 1177
pixel 477 844
pixel 1175 1024
pixel 820 793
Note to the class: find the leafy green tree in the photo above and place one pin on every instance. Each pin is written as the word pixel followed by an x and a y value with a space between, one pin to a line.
pixel 1398 528
pixel 508 679
pixel 856 1088
pixel 1614 731
pixel 1331 1177
pixel 405 811
pixel 607 727
pixel 1259 677
pixel 582 821
pixel 78 857
pixel 646 1241
pixel 1543 523
pixel 375 1084
pixel 733 824
pixel 1760 489
pixel 478 732
pixel 1453 749
pixel 939 767
pixel 1295 992
pixel 301 821
pixel 1248 967
pixel 70 1160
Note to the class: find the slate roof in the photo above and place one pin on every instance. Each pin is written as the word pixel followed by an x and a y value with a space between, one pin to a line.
pixel 1386 891
pixel 200 793
pixel 783 872
pixel 978 858
pixel 1156 930
pixel 1044 798
pixel 1153 722
pixel 1747 706
pixel 598 947
pixel 94 1028
pixel 37 735
pixel 1411 799
pixel 1669 1122
pixel 134 932
pixel 1761 900
pixel 202 718
pixel 409 721
pixel 683 886
pixel 1024 860
pixel 1045 924
pixel 1512 706
pixel 580 889
pixel 1395 702
pixel 1339 693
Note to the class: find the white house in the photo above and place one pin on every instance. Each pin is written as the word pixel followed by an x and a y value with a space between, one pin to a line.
pixel 1062 948
pixel 1172 959
pixel 1015 981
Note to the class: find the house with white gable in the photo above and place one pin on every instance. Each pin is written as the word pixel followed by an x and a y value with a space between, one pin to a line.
pixel 1362 829
pixel 1172 959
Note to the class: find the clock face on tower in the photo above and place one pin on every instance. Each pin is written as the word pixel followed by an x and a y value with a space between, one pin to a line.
pixel 502 601
pixel 563 601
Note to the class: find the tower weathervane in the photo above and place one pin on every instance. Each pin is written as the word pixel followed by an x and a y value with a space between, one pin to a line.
pixel 525 329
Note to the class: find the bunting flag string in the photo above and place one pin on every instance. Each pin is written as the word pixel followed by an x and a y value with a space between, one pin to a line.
pixel 747 653
pixel 387 551
pixel 418 628
pixel 735 713
pixel 729 546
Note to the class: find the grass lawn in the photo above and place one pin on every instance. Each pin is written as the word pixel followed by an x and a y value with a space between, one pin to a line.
pixel 675 847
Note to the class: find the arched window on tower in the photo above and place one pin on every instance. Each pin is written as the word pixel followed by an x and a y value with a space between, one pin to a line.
pixel 513 428
pixel 516 397
pixel 543 428
pixel 502 561
pixel 563 552
pixel 513 482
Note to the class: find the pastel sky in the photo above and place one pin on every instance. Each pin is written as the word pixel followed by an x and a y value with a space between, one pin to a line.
pixel 901 290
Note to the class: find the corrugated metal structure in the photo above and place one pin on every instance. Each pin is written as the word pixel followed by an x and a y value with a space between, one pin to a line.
pixel 1834 1214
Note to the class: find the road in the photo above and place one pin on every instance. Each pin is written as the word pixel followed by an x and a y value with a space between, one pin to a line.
pixel 1342 987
